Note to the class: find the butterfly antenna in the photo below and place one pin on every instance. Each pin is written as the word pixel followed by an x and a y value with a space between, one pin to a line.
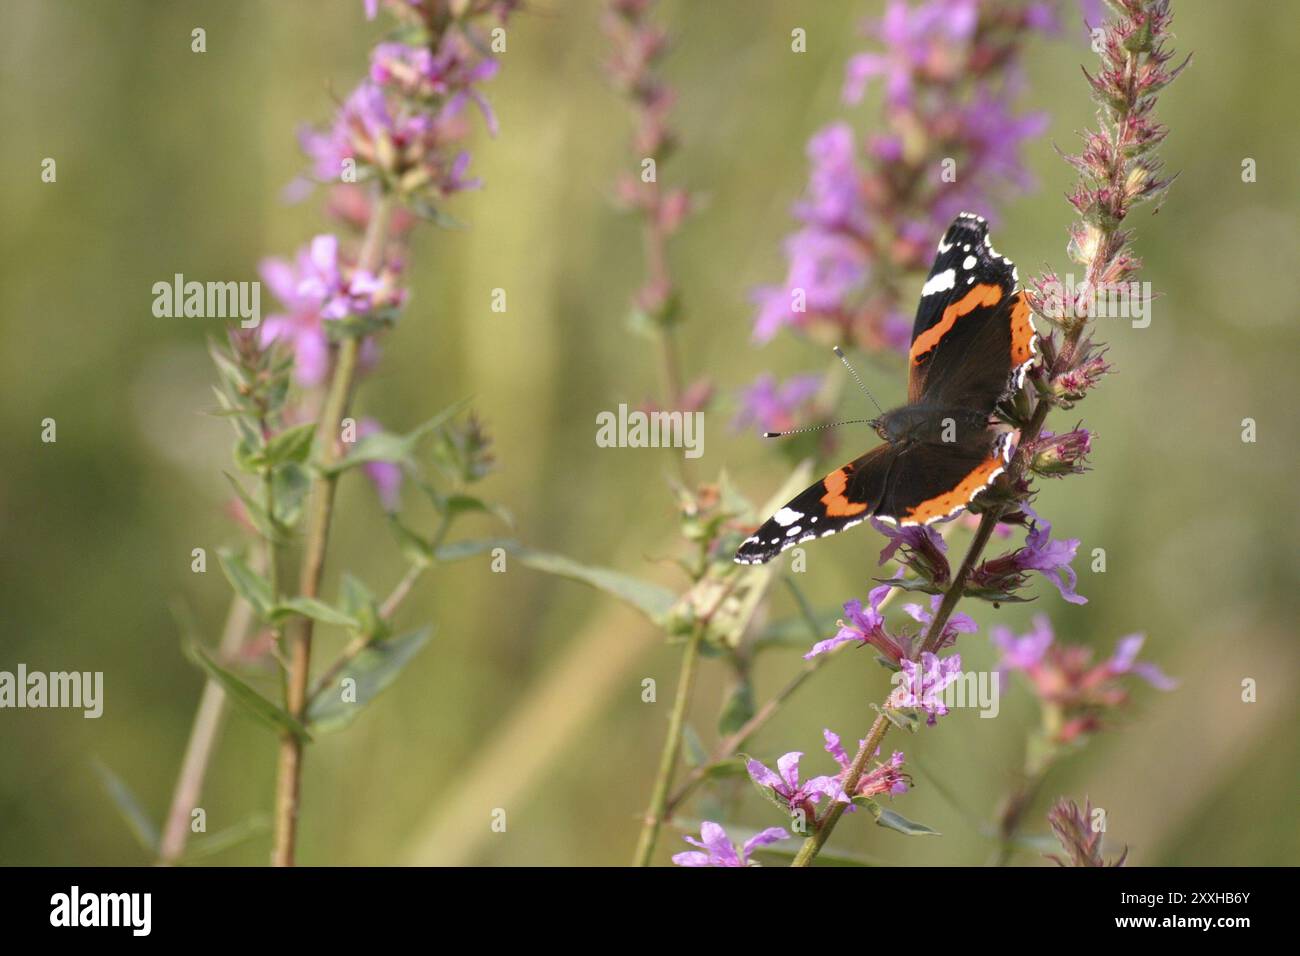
pixel 858 378
pixel 817 428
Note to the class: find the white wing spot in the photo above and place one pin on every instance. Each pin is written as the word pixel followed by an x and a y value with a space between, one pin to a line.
pixel 939 283
pixel 791 532
pixel 968 262
pixel 786 516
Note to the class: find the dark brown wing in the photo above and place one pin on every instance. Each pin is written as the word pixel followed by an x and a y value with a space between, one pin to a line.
pixel 844 498
pixel 933 481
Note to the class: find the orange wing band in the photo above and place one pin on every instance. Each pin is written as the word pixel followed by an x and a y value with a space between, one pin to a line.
pixel 1022 332
pixel 838 506
pixel 960 496
pixel 983 294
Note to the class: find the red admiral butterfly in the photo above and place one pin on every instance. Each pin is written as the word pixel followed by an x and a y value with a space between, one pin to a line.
pixel 972 342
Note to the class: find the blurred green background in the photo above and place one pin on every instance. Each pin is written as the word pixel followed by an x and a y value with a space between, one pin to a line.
pixel 529 696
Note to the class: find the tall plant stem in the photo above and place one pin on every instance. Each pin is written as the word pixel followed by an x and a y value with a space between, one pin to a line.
pixel 299 635
pixel 654 817
pixel 203 739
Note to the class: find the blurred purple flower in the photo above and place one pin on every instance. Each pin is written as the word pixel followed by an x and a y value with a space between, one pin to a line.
pixel 299 326
pixel 949 69
pixel 828 259
pixel 386 476
pixel 451 73
pixel 1025 652
pixel 774 407
pixel 1124 661
pixel 1065 676
pixel 720 851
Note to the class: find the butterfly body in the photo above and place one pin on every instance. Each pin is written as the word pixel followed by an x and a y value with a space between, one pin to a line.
pixel 972 343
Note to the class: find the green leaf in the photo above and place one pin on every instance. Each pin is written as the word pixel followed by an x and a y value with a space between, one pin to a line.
pixel 315 609
pixel 231 836
pixel 472 548
pixel 257 512
pixel 650 599
pixel 373 670
pixel 359 604
pixel 413 547
pixel 142 828
pixel 453 506
pixel 386 446
pixel 289 486
pixel 892 820
pixel 292 444
pixel 249 700
pixel 248 584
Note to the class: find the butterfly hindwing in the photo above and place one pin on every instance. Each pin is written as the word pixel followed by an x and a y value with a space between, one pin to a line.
pixel 932 481
pixel 844 498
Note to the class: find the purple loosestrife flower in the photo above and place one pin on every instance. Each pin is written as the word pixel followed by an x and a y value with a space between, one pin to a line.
pixel 918 547
pixel 405 122
pixel 866 625
pixel 317 287
pixel 451 73
pixel 1006 574
pixel 785 783
pixel 386 476
pixel 884 778
pixel 829 257
pixel 773 407
pixel 922 684
pixel 1080 692
pixel 720 851
pixel 956 624
pixel 949 71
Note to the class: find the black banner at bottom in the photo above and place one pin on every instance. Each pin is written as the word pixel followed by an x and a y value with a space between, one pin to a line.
pixel 335 906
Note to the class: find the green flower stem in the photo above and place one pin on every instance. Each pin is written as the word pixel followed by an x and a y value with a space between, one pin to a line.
pixel 203 737
pixel 386 611
pixel 655 815
pixel 299 635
